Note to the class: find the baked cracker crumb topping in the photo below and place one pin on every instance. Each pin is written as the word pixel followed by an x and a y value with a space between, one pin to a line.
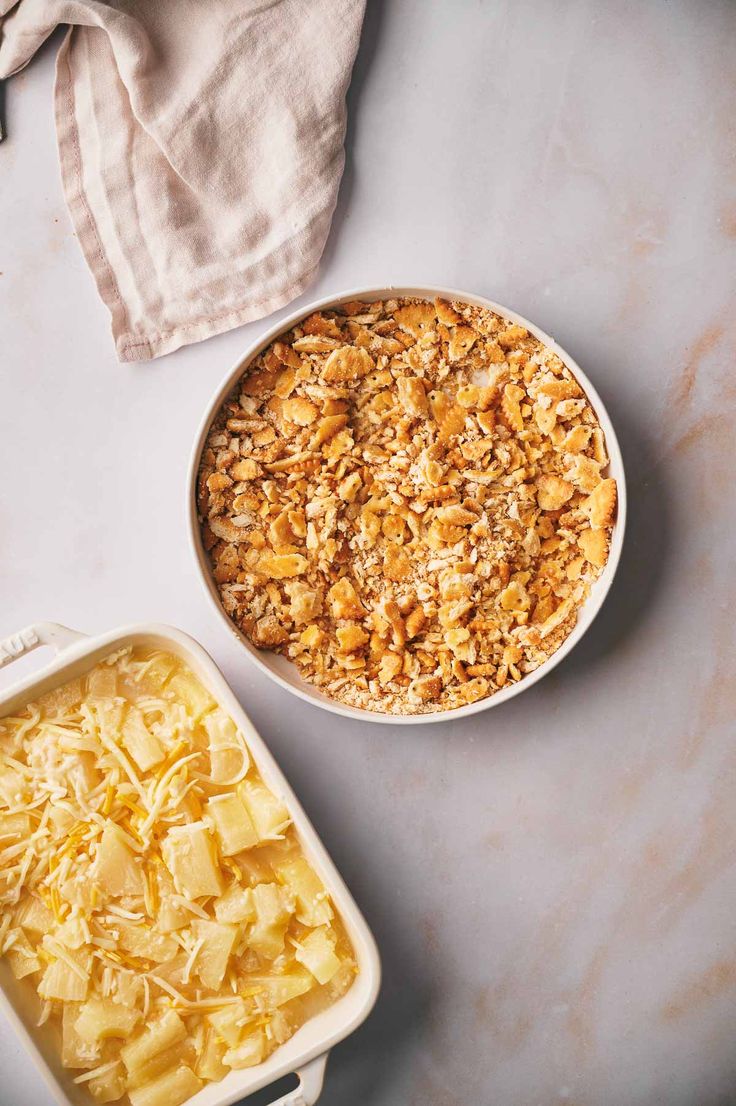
pixel 408 499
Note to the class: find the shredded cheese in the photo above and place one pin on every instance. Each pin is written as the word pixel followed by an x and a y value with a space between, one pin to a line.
pixel 190 905
pixel 96 1073
pixel 197 948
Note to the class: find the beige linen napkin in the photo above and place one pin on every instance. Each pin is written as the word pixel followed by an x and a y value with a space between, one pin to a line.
pixel 201 149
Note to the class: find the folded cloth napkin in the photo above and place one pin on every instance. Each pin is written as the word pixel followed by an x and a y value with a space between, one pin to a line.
pixel 201 149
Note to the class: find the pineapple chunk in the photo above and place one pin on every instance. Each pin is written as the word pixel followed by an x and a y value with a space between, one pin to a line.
pixel 146 943
pixel 173 971
pixel 170 916
pixel 210 1066
pixel 34 916
pixel 12 787
pixel 266 936
pixel 189 854
pixel 108 1087
pixel 253 867
pixel 313 905
pixel 75 1053
pixel 59 981
pixel 102 682
pixel 212 960
pixel 228 1022
pixel 281 1026
pixel 157 673
pixel 248 1053
pixel 79 773
pixel 268 814
pixel 70 933
pixel 115 867
pixel 61 820
pixel 145 749
pixel 236 905
pixel 342 980
pixel 15 825
pixel 109 713
pixel 22 961
pixel 192 693
pixel 101 1018
pixel 168 1060
pixel 317 952
pixel 170 1089
pixel 226 753
pixel 233 826
pixel 128 989
pixel 81 889
pixel 61 699
pixel 281 989
pixel 159 1036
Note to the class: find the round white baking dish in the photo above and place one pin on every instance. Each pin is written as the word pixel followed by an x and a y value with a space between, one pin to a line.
pixel 282 670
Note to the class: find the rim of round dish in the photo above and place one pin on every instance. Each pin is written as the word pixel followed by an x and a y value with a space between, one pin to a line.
pixel 270 662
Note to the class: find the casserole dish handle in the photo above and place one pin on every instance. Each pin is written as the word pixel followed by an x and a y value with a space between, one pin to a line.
pixel 311 1078
pixel 33 636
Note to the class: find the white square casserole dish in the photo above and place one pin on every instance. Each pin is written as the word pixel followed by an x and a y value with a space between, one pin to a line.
pixel 305 1054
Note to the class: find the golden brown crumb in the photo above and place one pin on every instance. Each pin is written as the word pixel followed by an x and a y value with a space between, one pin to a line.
pixel 407 499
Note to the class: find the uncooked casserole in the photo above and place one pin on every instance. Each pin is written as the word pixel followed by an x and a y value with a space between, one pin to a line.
pixel 154 890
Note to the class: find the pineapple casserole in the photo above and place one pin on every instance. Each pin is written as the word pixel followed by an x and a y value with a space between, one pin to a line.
pixel 154 892
pixel 409 500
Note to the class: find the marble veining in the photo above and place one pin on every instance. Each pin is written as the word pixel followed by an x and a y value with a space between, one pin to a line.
pixel 551 882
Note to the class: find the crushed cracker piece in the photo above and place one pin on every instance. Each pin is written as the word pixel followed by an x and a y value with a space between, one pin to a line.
pixel 600 506
pixel 594 545
pixel 412 395
pixel 282 566
pixel 344 600
pixel 462 340
pixel 417 317
pixel 553 492
pixel 347 363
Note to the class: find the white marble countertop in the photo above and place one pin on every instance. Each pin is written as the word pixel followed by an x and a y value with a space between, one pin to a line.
pixel 551 883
